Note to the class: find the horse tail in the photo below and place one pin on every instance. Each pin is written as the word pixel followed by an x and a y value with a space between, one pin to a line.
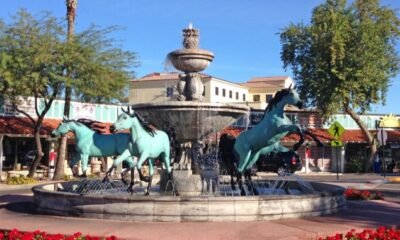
pixel 171 133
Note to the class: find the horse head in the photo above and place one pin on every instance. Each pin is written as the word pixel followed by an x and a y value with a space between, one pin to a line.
pixel 292 97
pixel 124 121
pixel 63 128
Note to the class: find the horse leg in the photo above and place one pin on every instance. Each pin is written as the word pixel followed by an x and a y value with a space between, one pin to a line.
pixel 319 143
pixel 265 150
pixel 240 183
pixel 249 182
pixel 108 174
pixel 232 173
pixel 150 177
pixel 130 188
pixel 300 142
pixel 85 161
pixel 73 162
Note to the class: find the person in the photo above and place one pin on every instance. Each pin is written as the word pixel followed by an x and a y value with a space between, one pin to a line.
pixel 52 160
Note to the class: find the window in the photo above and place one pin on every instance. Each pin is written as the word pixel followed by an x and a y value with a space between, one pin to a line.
pixel 268 97
pixel 223 92
pixel 230 94
pixel 216 91
pixel 256 98
pixel 170 91
pixel 237 96
pixel 204 91
pixel 244 97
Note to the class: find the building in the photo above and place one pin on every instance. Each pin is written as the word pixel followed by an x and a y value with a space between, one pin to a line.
pixel 256 93
pixel 16 130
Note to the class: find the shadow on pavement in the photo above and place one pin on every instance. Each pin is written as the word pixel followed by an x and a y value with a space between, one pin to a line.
pixel 17 203
pixel 363 213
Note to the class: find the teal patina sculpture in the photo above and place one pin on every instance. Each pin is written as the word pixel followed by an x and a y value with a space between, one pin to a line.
pixel 89 143
pixel 265 136
pixel 147 142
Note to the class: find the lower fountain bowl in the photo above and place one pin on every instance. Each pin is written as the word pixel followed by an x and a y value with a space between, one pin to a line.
pixel 161 208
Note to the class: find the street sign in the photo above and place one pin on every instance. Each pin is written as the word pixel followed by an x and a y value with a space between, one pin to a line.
pixel 336 143
pixel 336 130
pixel 382 136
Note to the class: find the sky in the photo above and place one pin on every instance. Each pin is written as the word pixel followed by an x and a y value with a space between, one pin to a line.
pixel 243 35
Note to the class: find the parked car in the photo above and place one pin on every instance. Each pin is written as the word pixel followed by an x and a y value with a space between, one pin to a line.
pixel 280 162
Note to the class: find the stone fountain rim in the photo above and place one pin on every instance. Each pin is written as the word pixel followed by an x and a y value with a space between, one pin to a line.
pixel 188 105
pixel 192 51
pixel 329 190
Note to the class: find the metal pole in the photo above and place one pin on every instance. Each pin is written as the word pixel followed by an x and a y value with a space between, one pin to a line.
pixel 1 155
pixel 383 154
pixel 337 164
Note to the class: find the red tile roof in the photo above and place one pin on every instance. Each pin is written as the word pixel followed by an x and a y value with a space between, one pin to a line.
pixel 349 136
pixel 23 126
pixel 259 82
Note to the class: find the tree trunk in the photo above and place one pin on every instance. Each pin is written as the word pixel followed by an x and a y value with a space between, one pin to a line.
pixel 59 172
pixel 370 137
pixel 38 143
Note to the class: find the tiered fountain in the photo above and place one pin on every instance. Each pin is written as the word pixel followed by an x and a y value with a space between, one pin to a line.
pixel 192 121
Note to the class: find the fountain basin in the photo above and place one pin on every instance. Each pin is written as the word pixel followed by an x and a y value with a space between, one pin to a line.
pixel 190 60
pixel 158 208
pixel 192 120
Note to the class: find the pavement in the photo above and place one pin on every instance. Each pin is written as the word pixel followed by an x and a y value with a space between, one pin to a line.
pixel 17 211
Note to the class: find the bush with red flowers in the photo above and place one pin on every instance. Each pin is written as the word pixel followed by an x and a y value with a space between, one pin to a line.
pixel 355 194
pixel 381 233
pixel 15 234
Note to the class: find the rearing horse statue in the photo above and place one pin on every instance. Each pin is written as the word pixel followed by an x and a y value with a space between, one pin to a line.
pixel 265 136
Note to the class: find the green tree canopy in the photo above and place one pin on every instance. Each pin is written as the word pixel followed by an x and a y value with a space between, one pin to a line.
pixel 344 59
pixel 35 58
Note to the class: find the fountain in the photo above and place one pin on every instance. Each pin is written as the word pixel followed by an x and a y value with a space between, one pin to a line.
pixel 191 119
pixel 203 194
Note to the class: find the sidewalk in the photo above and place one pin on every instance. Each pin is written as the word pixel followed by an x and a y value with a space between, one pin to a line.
pixel 359 215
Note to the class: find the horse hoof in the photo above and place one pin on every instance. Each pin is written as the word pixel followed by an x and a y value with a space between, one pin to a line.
pixel 82 176
pixel 106 180
pixel 243 193
pixel 147 193
pixel 255 191
pixel 124 181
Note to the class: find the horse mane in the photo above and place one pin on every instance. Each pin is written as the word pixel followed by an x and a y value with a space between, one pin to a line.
pixel 277 98
pixel 145 125
pixel 93 125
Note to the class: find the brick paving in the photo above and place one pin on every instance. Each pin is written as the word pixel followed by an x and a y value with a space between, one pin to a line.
pixel 16 211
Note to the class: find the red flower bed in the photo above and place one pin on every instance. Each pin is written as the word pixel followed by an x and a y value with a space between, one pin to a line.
pixel 15 234
pixel 381 233
pixel 355 194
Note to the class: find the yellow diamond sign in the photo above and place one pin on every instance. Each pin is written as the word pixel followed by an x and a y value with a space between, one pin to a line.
pixel 336 130
pixel 336 143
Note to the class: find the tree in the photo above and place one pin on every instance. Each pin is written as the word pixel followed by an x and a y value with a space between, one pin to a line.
pixel 29 51
pixel 59 171
pixel 37 60
pixel 344 59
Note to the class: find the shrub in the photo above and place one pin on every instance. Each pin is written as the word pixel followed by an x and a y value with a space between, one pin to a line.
pixel 20 180
pixel 381 233
pixel 355 194
pixel 15 234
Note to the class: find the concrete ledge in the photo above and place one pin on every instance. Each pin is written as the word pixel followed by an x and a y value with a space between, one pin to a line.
pixel 329 199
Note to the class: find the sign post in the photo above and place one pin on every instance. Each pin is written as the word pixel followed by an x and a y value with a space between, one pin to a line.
pixel 1 155
pixel 336 130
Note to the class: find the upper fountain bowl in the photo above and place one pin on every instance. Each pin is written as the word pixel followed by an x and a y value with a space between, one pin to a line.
pixel 192 120
pixel 190 60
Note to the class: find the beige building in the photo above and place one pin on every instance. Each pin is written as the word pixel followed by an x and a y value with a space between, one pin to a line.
pixel 161 87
